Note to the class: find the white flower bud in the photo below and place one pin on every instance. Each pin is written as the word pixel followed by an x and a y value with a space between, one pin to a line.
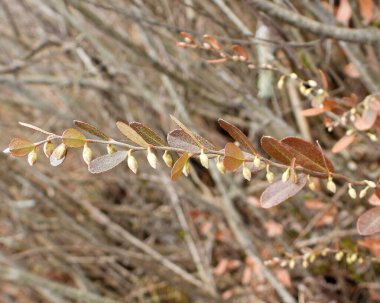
pixel 87 154
pixel 60 151
pixel 363 192
pixel 235 58
pixel 168 159
pixel 206 45
pixel 331 185
pixel 132 162
pixel 111 149
pixel 293 76
pixel 220 166
pixel 372 137
pixel 204 159
pixel 48 148
pixel 152 159
pixel 339 255
pixel 269 175
pixel 351 191
pixel 186 169
pixel 256 161
pixel 32 157
pixel 292 263
pixel 370 184
pixel 247 173
pixel 281 82
pixel 285 176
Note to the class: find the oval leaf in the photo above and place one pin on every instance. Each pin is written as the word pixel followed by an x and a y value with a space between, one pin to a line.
pixel 107 162
pixel 240 51
pixel 91 130
pixel 187 131
pixel 212 41
pixel 148 134
pixel 279 191
pixel 179 139
pixel 369 222
pixel 20 147
pixel 238 135
pixel 233 158
pixel 131 134
pixel 178 166
pixel 73 138
pixel 307 155
pixel 276 150
pixel 343 143
pixel 366 120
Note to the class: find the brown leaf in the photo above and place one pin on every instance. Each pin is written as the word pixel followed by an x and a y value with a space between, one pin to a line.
pixel 107 162
pixel 240 51
pixel 148 134
pixel 366 120
pixel 374 200
pixel 314 111
pixel 343 143
pixel 233 158
pixel 314 204
pixel 324 80
pixel 20 147
pixel 238 135
pixel 273 229
pixel 35 128
pixel 91 130
pixel 284 277
pixel 366 10
pixel 178 166
pixel 212 41
pixel 328 217
pixel 221 267
pixel 188 37
pixel 217 60
pixel 73 138
pixel 187 131
pixel 246 276
pixel 179 139
pixel 131 134
pixel 351 70
pixel 372 244
pixel 369 222
pixel 279 191
pixel 276 149
pixel 344 12
pixel 307 155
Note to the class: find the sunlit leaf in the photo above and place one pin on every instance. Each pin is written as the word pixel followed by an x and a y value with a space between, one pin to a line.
pixel 307 155
pixel 369 222
pixel 107 162
pixel 233 158
pixel 36 128
pixel 276 150
pixel 280 191
pixel 212 41
pixel 343 143
pixel 131 134
pixel 238 135
pixel 20 147
pixel 179 165
pixel 186 130
pixel 73 138
pixel 149 135
pixel 92 130
pixel 179 139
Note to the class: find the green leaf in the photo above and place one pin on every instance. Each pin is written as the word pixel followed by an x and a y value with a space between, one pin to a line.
pixel 238 135
pixel 107 162
pixel 179 165
pixel 149 135
pixel 131 134
pixel 91 130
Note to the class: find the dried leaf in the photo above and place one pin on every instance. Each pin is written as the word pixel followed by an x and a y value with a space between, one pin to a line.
pixel 369 222
pixel 187 131
pixel 276 149
pixel 20 147
pixel 238 135
pixel 366 120
pixel 221 267
pixel 351 70
pixel 314 111
pixel 35 128
pixel 179 165
pixel 372 244
pixel 374 200
pixel 73 138
pixel 218 60
pixel 307 155
pixel 344 12
pixel 240 51
pixel 91 129
pixel 284 277
pixel 148 134
pixel 212 41
pixel 343 143
pixel 107 162
pixel 273 229
pixel 233 158
pixel 131 134
pixel 366 10
pixel 324 80
pixel 179 139
pixel 280 191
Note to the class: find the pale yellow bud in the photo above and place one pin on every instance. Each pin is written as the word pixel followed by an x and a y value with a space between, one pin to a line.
pixel 48 148
pixel 235 58
pixel 204 159
pixel 186 169
pixel 281 82
pixel 351 191
pixel 220 165
pixel 132 162
pixel 339 255
pixel 168 159
pixel 60 151
pixel 372 137
pixel 269 175
pixel 312 83
pixel 305 263
pixel 363 192
pixel 370 184
pixel 312 258
pixel 32 157
pixel 111 149
pixel 293 76
pixel 331 185
pixel 247 173
pixel 87 154
pixel 292 263
pixel 256 161
pixel 285 176
pixel 152 159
